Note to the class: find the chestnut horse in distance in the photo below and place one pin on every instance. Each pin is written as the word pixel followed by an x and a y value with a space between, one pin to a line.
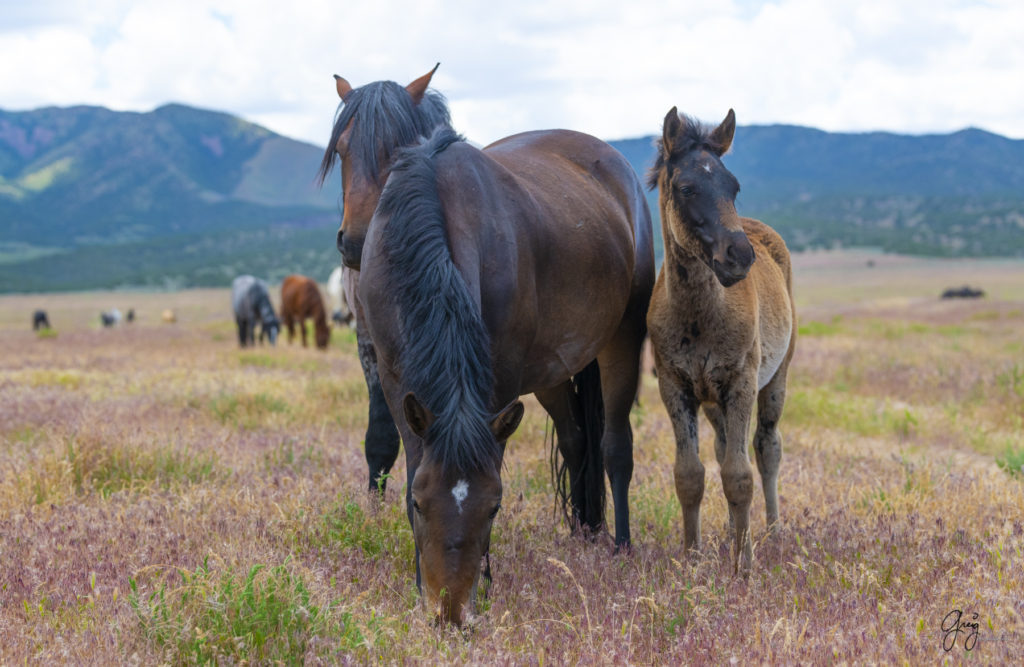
pixel 300 300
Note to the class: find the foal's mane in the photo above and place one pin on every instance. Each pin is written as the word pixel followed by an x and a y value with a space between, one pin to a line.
pixel 387 118
pixel 446 360
pixel 693 135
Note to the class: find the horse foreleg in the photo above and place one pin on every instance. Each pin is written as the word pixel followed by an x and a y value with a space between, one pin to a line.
pixel 679 399
pixel 714 414
pixel 737 473
pixel 382 441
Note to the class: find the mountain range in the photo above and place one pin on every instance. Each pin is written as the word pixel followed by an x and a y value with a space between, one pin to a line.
pixel 92 198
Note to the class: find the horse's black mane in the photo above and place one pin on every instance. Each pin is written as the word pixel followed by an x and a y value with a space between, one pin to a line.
pixel 446 361
pixel 388 119
pixel 694 135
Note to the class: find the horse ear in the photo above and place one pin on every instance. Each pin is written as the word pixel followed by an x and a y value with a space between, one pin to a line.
pixel 723 134
pixel 507 421
pixel 417 415
pixel 418 88
pixel 343 86
pixel 670 129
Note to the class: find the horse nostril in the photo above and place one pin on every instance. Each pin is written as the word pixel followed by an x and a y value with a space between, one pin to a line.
pixel 340 239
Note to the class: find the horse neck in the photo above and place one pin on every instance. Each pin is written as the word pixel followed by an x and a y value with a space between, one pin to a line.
pixel 689 278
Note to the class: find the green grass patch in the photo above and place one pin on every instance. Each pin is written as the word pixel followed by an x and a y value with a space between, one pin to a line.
pixel 1012 461
pixel 246 410
pixel 263 615
pixel 109 468
pixel 46 333
pixel 821 408
pixel 387 532
pixel 815 328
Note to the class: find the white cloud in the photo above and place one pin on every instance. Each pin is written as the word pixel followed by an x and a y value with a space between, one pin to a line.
pixel 601 66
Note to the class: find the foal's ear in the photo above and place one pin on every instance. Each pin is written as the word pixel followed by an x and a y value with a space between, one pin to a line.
pixel 343 86
pixel 670 130
pixel 418 88
pixel 722 136
pixel 417 415
pixel 507 421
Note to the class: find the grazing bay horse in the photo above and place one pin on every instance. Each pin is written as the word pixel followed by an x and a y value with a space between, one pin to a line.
pixel 300 300
pixel 722 324
pixel 250 299
pixel 488 274
pixel 372 123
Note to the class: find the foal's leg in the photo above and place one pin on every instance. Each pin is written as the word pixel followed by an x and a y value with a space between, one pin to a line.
pixel 558 402
pixel 768 442
pixel 737 473
pixel 717 420
pixel 681 404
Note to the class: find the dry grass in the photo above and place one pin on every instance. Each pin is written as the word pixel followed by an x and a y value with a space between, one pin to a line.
pixel 167 497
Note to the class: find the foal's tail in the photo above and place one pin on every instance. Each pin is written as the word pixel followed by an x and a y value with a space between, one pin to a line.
pixel 585 506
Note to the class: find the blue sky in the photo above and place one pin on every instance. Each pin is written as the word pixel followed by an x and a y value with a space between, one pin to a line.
pixel 609 68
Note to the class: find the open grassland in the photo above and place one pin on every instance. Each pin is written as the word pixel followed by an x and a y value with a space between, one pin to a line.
pixel 168 497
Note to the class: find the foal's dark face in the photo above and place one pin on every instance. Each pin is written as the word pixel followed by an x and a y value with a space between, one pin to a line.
pixel 700 194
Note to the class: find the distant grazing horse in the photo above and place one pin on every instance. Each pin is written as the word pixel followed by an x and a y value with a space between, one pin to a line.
pixel 721 321
pixel 110 318
pixel 40 320
pixel 373 122
pixel 491 274
pixel 130 316
pixel 341 313
pixel 300 299
pixel 250 299
pixel 965 292
pixel 168 316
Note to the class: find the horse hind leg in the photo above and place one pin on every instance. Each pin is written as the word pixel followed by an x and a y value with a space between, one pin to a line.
pixel 768 443
pixel 560 402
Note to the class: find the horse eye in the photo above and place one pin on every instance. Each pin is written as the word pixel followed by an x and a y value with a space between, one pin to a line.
pixel 416 506
pixel 494 512
pixel 687 191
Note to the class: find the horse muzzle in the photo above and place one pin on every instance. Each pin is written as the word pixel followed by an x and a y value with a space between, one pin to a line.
pixel 733 259
pixel 351 250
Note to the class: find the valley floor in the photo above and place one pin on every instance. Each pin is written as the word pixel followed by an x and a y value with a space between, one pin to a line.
pixel 168 497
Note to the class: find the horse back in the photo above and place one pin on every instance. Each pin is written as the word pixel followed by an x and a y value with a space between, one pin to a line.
pixel 564 218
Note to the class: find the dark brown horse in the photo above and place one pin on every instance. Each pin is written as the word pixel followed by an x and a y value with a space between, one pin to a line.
pixel 300 300
pixel 722 323
pixel 372 123
pixel 491 274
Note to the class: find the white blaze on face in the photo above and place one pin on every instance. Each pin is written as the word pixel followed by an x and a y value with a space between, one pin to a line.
pixel 707 167
pixel 459 492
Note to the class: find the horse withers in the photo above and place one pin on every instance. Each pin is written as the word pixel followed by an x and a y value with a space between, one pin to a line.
pixel 300 300
pixel 722 324
pixel 564 217
pixel 250 299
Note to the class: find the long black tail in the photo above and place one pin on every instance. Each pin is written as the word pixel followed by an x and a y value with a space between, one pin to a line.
pixel 582 491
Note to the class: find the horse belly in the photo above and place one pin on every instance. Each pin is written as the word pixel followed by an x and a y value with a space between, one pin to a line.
pixel 773 350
